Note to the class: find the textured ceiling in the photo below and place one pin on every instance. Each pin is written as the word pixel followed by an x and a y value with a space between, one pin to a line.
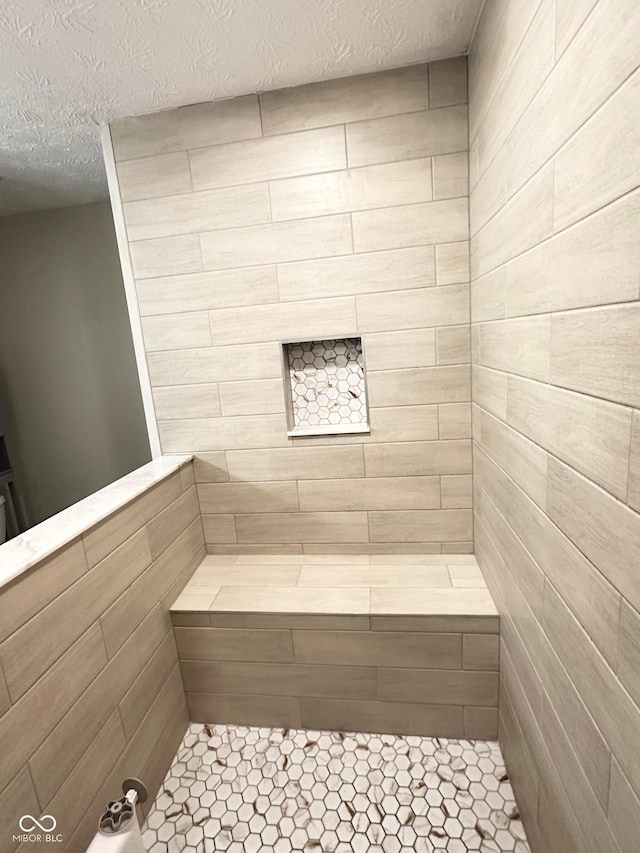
pixel 69 66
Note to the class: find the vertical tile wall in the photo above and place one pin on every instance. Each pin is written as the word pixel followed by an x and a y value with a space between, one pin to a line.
pixel 555 212
pixel 90 686
pixel 326 210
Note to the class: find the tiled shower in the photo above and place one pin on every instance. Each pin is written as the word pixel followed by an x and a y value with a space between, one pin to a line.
pixel 380 591
pixel 336 210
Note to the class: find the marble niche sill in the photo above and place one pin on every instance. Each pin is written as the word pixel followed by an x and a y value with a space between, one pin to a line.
pixel 34 545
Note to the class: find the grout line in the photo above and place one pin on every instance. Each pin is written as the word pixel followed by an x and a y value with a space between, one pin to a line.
pixel 277 282
pixel 475 30
pixel 330 170
pixel 101 626
pixel 300 130
pixel 3 680
pixel 617 655
pixel 27 763
pixel 298 260
pixel 557 56
pixel 551 160
pixel 190 176
pixel 298 220
pixel 549 453
pixel 428 84
pixel 377 331
pixel 556 234
pixel 482 117
pixel 551 384
pixel 262 136
pixel 629 471
pixel 202 269
pixel 564 536
pixel 100 672
pixel 427 290
pixel 270 222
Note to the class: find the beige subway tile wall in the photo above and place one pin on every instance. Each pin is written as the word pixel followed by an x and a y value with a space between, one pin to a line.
pixel 555 170
pixel 90 686
pixel 331 209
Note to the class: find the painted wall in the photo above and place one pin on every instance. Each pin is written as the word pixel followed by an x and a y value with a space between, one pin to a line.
pixel 90 686
pixel 67 368
pixel 329 209
pixel 555 167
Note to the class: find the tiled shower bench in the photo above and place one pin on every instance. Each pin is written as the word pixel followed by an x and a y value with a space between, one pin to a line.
pixel 392 644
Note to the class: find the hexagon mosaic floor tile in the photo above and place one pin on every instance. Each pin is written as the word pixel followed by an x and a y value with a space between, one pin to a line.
pixel 256 790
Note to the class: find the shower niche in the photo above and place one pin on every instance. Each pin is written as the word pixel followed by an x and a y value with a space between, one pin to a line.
pixel 325 386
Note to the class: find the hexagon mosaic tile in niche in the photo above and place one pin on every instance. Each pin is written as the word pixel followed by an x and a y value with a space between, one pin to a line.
pixel 260 790
pixel 327 385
